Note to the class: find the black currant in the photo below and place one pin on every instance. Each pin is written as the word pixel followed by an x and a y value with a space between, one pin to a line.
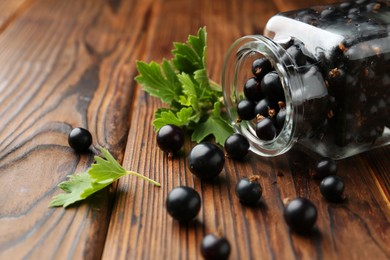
pixel 80 139
pixel 260 67
pixel 271 86
pixel 300 215
pixel 252 90
pixel 332 188
pixel 295 53
pixel 170 139
pixel 215 248
pixel 236 146
pixel 206 160
pixel 263 107
pixel 281 117
pixel 183 203
pixel 246 109
pixel 325 167
pixel 248 190
pixel 265 129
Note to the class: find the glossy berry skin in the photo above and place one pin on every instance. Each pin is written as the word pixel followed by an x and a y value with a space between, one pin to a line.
pixel 300 215
pixel 265 129
pixel 215 248
pixel 252 90
pixel 236 146
pixel 260 67
pixel 170 139
pixel 280 118
pixel 246 109
pixel 183 203
pixel 272 86
pixel 206 160
pixel 249 191
pixel 263 107
pixel 325 167
pixel 80 139
pixel 332 188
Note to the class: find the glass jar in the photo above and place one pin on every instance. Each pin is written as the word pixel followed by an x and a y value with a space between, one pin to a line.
pixel 332 65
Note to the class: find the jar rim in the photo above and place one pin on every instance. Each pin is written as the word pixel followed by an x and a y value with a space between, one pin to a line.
pixel 286 68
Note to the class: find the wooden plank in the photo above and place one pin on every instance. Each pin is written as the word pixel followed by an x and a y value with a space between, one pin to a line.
pixel 64 64
pixel 11 10
pixel 140 227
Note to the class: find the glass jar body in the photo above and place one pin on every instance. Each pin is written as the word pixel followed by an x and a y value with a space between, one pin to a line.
pixel 336 91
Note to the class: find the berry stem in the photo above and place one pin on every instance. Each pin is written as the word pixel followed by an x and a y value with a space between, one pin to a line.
pixel 144 178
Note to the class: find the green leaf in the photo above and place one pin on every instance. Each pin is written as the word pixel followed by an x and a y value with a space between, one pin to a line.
pixel 74 188
pixel 214 125
pixel 100 175
pixel 166 87
pixel 181 118
pixel 190 56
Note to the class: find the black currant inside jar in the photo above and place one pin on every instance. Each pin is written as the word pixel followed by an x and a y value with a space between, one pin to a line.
pixel 319 77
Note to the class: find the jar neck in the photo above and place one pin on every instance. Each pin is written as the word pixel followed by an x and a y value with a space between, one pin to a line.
pixel 304 91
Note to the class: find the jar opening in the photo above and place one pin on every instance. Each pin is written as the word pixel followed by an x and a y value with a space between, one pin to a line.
pixel 238 69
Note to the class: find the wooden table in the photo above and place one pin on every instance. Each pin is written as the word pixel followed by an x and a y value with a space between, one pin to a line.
pixel 71 63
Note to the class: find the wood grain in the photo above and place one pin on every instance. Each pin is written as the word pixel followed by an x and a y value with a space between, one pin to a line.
pixel 72 63
pixel 140 227
pixel 64 64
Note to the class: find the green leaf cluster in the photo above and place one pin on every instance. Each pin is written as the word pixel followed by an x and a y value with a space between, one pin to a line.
pixel 101 174
pixel 193 100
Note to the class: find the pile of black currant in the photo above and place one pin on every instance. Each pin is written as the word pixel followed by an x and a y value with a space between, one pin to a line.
pixel 264 100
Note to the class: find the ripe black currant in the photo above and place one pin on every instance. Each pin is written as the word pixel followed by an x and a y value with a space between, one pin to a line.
pixel 206 160
pixel 281 117
pixel 170 139
pixel 263 107
pixel 246 109
pixel 248 190
pixel 265 129
pixel 215 248
pixel 236 146
pixel 252 90
pixel 332 187
pixel 260 67
pixel 271 86
pixel 183 203
pixel 325 167
pixel 300 215
pixel 80 139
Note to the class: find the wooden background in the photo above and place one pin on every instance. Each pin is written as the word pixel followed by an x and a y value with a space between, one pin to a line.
pixel 71 63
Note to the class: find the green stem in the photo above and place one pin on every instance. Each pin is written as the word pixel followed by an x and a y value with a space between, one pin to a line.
pixel 144 177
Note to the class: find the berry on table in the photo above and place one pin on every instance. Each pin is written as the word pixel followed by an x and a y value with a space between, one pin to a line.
pixel 236 146
pixel 183 203
pixel 206 160
pixel 215 248
pixel 300 215
pixel 170 139
pixel 80 139
pixel 332 187
pixel 325 167
pixel 248 190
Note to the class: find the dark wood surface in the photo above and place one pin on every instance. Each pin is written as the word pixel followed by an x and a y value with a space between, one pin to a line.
pixel 71 63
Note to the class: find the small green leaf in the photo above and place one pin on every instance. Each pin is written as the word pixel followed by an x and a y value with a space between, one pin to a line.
pixel 166 87
pixel 180 118
pixel 101 174
pixel 214 125
pixel 74 188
